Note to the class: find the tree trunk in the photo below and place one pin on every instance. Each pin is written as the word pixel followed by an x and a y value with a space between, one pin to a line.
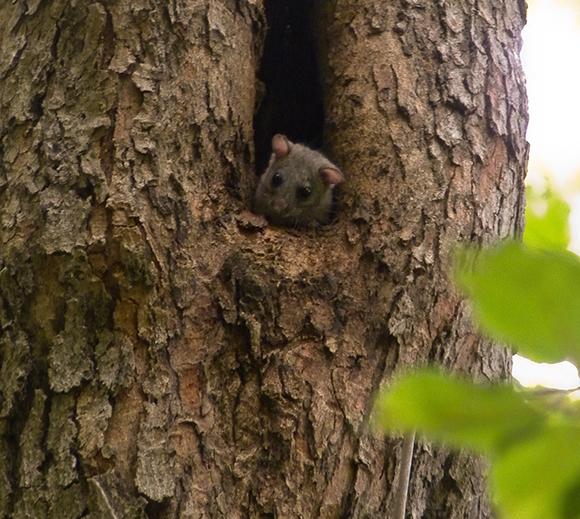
pixel 164 352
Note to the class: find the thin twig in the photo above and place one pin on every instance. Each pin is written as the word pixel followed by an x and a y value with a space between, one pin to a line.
pixel 404 474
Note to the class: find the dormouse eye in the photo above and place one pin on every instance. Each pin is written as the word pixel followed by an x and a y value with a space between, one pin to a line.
pixel 303 192
pixel 277 179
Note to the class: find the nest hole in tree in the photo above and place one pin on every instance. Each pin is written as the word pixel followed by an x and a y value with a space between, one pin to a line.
pixel 291 102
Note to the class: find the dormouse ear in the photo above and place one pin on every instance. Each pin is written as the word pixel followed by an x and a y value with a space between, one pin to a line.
pixel 331 175
pixel 281 146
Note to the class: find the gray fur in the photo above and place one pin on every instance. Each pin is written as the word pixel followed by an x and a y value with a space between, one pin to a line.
pixel 298 170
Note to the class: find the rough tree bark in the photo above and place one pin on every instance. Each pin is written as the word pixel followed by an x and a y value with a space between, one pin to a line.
pixel 163 352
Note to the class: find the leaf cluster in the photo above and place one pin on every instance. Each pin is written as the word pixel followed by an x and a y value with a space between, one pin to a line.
pixel 527 295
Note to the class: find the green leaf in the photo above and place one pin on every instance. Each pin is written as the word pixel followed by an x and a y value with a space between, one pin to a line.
pixel 527 297
pixel 538 478
pixel 547 220
pixel 456 411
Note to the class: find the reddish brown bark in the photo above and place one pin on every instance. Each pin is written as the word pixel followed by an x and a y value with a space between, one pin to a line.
pixel 164 353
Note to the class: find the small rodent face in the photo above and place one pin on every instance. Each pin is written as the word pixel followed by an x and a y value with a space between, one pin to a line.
pixel 296 189
pixel 290 194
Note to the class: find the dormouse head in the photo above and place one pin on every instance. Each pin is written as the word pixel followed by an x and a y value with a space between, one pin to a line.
pixel 296 188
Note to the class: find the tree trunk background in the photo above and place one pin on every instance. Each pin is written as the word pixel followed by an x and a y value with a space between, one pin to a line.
pixel 165 353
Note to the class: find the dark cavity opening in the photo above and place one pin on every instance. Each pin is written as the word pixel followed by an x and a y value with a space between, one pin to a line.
pixel 291 99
